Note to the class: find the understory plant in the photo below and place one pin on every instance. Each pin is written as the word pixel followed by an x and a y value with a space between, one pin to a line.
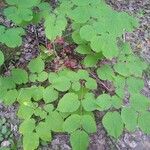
pixel 65 100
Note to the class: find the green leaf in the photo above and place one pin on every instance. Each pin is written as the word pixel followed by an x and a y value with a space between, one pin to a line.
pixel 61 83
pixel 116 102
pixel 24 95
pixel 83 74
pixel 91 84
pixel 75 15
pixel 106 45
pixel 105 73
pixel 79 140
pixel 139 102
pixel 42 76
pixel 30 141
pixel 88 123
pixel 55 121
pixel 1 58
pixel 90 60
pixel 43 131
pixel 76 86
pixel 77 39
pixel 18 15
pixel 122 69
pixel 129 117
pixel 113 124
pixel 19 76
pixel 89 102
pixel 40 113
pixel 83 49
pixel 144 122
pixel 104 102
pixel 33 77
pixel 87 32
pixel 72 123
pixel 27 126
pixel 37 92
pixel 68 103
pixel 135 85
pixel 50 95
pixel 7 83
pixel 10 97
pixel 54 26
pixel 11 37
pixel 36 65
pixel 25 111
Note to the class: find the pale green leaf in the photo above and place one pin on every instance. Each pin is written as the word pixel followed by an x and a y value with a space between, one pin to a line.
pixel 19 76
pixel 36 65
pixel 113 124
pixel 79 140
pixel 144 122
pixel 72 123
pixel 129 117
pixel 68 103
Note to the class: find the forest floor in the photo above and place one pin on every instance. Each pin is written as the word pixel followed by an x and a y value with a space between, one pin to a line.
pixel 140 42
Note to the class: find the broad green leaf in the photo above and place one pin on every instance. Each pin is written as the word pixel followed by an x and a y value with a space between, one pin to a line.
pixel 105 73
pixel 88 124
pixel 50 95
pixel 19 76
pixel 68 103
pixel 7 83
pixel 91 84
pixel 77 39
pixel 117 102
pixel 30 141
pixel 113 124
pixel 129 117
pixel 76 86
pixel 75 15
pixel 61 83
pixel 55 121
pixel 87 32
pixel 83 74
pixel 104 102
pixel 43 131
pixel 122 69
pixel 54 26
pixel 139 102
pixel 1 58
pixel 90 60
pixel 83 49
pixel 18 15
pixel 27 126
pixel 11 37
pixel 135 85
pixel 106 45
pixel 49 108
pixel 89 102
pixel 37 92
pixel 40 113
pixel 42 76
pixel 24 95
pixel 36 65
pixel 79 140
pixel 25 111
pixel 10 97
pixel 144 122
pixel 72 123
pixel 33 77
